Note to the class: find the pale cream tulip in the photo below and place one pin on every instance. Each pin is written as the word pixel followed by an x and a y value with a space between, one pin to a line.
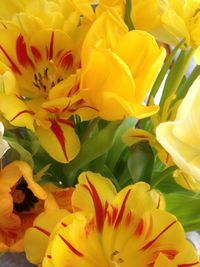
pixel 181 138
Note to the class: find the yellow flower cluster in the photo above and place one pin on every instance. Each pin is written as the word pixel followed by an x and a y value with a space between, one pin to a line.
pixel 54 67
pixel 71 72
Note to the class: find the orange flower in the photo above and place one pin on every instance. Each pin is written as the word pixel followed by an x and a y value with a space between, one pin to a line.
pixel 19 194
pixel 22 199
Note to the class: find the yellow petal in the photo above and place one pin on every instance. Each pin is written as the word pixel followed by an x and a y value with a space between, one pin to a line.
pixel 36 237
pixel 105 32
pixel 186 181
pixel 162 260
pixel 139 198
pixel 133 136
pixel 90 186
pixel 105 87
pixel 146 15
pixel 175 25
pixel 184 156
pixel 18 113
pixel 12 7
pixel 60 141
pixel 85 8
pixel 6 207
pixel 141 53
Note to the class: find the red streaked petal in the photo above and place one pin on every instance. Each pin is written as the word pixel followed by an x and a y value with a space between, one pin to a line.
pixel 170 253
pixel 73 90
pixel 73 249
pixel 66 60
pixel 67 122
pixel 139 228
pixel 22 112
pixel 150 243
pixel 59 140
pixel 42 230
pixel 189 264
pixel 21 51
pixel 56 129
pixel 114 214
pixel 36 53
pixel 129 218
pixel 50 54
pixel 121 212
pixel 13 65
pixel 99 211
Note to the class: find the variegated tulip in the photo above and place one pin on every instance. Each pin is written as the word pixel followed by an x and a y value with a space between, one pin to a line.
pixel 113 229
pixel 40 84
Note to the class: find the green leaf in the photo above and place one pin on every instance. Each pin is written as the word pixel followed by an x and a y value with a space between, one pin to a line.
pixel 118 146
pixel 24 154
pixel 186 207
pixel 91 149
pixel 164 179
pixel 108 173
pixel 140 162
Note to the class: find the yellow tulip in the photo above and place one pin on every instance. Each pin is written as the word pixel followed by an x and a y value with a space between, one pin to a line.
pixel 181 136
pixel 146 15
pixel 132 61
pixel 40 84
pixel 129 227
pixel 40 14
pixel 181 18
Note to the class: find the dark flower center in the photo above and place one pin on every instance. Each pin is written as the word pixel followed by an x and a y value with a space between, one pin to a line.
pixel 23 198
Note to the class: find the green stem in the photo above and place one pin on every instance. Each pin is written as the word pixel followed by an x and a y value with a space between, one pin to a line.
pixel 163 71
pixel 176 75
pixel 89 129
pixel 183 90
pixel 162 176
pixel 127 17
pixel 146 123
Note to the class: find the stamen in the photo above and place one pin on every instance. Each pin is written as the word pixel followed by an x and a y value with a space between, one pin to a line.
pixel 40 76
pixel 46 73
pixel 116 261
pixel 59 80
pixel 52 84
pixel 35 77
pixel 36 85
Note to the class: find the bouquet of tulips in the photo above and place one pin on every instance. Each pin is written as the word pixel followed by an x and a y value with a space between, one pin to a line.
pixel 100 131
